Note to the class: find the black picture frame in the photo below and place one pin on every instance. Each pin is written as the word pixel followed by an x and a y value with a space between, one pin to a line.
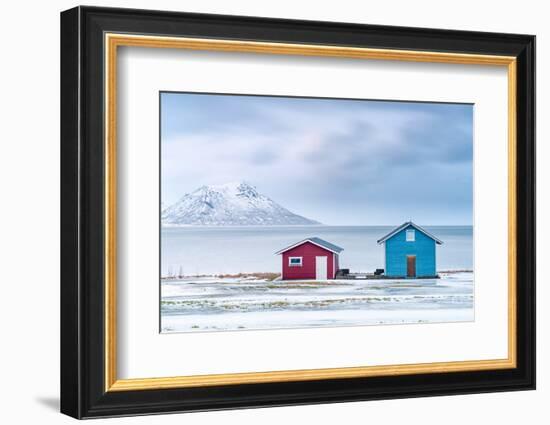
pixel 83 392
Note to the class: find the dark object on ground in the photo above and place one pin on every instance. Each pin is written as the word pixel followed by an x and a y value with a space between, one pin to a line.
pixel 378 272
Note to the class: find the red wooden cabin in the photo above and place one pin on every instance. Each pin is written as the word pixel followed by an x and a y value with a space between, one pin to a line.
pixel 310 259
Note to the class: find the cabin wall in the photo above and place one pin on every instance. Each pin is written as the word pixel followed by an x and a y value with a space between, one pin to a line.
pixel 308 252
pixel 397 248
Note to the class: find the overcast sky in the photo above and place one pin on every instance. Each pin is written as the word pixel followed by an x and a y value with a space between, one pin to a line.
pixel 340 162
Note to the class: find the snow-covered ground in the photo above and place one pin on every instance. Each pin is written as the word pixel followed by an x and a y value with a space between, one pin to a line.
pixel 216 304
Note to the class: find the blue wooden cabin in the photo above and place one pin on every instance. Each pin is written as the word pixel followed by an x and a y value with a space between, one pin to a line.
pixel 410 252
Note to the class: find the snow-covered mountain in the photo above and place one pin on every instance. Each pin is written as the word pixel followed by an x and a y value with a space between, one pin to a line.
pixel 231 204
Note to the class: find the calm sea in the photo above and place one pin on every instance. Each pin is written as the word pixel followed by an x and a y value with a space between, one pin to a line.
pixel 204 250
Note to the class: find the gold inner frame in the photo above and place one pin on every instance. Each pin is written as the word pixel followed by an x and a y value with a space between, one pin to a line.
pixel 113 41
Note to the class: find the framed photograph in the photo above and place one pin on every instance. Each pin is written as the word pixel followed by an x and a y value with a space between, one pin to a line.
pixel 261 212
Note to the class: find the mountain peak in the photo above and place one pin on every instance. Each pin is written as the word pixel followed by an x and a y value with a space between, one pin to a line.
pixel 231 187
pixel 229 204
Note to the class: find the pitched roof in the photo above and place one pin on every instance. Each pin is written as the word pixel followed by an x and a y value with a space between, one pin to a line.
pixel 316 241
pixel 404 226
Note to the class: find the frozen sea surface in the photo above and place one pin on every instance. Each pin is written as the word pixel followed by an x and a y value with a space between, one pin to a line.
pixel 216 304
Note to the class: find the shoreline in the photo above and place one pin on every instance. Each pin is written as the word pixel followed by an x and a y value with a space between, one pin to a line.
pixel 272 276
pixel 267 226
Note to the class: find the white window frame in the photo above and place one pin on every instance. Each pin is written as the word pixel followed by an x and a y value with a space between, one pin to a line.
pixel 295 258
pixel 410 235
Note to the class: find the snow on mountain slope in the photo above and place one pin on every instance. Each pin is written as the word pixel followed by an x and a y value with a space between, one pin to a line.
pixel 231 204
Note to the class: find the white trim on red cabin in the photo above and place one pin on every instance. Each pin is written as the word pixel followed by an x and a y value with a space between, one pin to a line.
pixel 303 242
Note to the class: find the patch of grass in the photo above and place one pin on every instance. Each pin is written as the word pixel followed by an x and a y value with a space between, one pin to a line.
pixel 455 271
pixel 304 285
pixel 260 275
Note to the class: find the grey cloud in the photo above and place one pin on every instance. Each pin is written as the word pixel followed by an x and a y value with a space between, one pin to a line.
pixel 328 159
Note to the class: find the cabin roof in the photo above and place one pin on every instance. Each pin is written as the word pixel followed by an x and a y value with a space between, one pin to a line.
pixel 315 241
pixel 404 226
